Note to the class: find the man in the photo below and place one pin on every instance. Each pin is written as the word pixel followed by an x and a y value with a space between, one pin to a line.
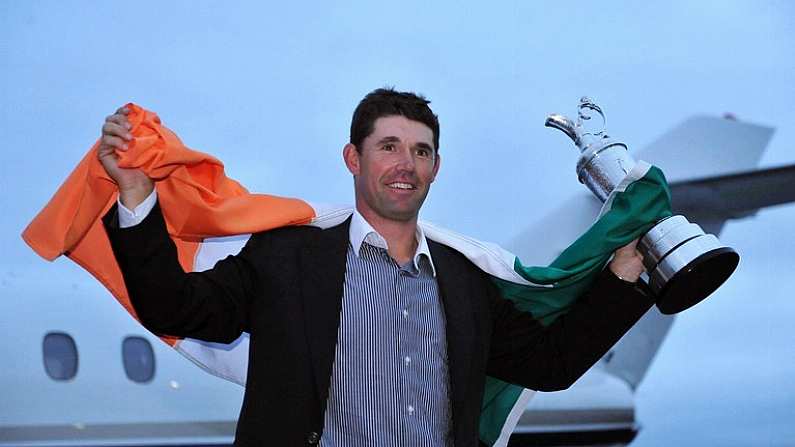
pixel 366 333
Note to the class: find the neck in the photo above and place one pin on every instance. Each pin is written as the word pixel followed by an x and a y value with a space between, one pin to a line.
pixel 400 236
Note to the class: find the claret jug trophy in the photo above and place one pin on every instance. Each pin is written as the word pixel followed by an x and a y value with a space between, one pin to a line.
pixel 684 264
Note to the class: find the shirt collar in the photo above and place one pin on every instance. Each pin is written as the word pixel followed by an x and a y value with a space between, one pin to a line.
pixel 361 231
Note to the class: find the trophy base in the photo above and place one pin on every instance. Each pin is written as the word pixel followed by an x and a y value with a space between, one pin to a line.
pixel 697 280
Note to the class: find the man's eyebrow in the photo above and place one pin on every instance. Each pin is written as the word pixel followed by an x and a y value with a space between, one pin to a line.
pixel 394 139
pixel 425 146
pixel 390 139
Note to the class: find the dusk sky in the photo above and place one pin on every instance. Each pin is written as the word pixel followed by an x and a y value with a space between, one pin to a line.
pixel 269 88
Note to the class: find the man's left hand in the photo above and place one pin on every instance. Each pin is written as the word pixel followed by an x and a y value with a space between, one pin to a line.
pixel 627 262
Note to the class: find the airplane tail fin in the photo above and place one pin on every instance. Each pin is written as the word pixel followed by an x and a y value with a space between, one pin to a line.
pixel 703 146
pixel 631 357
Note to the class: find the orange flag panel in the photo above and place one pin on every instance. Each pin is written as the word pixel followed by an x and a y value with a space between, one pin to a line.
pixel 189 184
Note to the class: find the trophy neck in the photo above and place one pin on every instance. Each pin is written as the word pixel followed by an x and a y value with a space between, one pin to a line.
pixel 603 166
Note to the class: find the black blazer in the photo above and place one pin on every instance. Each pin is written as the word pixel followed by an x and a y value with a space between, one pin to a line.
pixel 285 289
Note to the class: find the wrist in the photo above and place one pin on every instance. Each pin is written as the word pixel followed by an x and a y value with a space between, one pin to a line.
pixel 132 196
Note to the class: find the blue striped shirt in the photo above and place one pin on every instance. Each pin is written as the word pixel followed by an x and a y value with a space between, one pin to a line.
pixel 389 383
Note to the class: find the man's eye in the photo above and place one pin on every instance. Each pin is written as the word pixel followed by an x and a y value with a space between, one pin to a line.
pixel 389 147
pixel 423 152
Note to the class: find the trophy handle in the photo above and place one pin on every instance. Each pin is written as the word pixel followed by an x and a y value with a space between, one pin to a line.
pixel 584 114
pixel 562 123
pixel 578 133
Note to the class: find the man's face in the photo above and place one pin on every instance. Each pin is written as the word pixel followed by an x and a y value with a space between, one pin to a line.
pixel 394 168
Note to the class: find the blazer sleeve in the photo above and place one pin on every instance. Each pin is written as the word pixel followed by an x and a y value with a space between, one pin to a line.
pixel 552 358
pixel 209 305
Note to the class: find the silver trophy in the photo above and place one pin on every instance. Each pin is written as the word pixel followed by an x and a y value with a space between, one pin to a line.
pixel 685 264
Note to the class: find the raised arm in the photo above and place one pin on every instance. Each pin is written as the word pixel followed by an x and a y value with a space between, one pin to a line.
pixel 210 305
pixel 552 358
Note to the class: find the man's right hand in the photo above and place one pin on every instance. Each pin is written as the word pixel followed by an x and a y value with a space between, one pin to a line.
pixel 134 185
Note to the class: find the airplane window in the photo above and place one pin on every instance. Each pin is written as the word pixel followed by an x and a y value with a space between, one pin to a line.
pixel 60 356
pixel 139 359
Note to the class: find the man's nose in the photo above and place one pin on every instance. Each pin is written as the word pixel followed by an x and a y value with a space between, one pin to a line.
pixel 406 160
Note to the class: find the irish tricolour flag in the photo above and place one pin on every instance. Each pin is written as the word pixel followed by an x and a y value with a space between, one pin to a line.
pixel 210 216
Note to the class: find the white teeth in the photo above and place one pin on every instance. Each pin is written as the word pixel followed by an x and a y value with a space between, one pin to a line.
pixel 401 185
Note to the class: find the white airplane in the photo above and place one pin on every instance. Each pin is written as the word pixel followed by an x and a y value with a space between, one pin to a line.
pixel 79 371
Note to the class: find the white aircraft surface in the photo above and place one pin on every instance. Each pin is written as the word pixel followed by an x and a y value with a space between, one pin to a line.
pixel 80 371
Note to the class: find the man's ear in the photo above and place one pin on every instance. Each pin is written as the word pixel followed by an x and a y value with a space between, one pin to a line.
pixel 351 157
pixel 436 164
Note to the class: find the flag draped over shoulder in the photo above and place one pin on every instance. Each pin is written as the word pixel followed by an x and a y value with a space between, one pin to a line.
pixel 210 216
pixel 189 184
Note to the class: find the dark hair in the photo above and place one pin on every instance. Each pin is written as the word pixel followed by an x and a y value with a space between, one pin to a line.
pixel 389 102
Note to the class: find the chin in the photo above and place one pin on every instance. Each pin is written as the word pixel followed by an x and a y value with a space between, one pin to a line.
pixel 400 214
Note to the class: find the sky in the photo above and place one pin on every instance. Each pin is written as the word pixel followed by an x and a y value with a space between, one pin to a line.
pixel 269 88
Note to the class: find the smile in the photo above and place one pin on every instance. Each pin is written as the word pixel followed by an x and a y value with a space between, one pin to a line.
pixel 399 185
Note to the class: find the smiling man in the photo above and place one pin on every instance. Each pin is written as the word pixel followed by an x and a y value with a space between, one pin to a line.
pixel 393 168
pixel 366 333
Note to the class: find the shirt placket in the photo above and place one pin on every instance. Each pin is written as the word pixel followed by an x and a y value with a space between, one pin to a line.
pixel 408 352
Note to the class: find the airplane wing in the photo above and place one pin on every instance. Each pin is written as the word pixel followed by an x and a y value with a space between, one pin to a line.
pixel 734 196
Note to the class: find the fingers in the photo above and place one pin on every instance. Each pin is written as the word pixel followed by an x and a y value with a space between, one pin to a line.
pixel 639 262
pixel 116 131
pixel 633 252
pixel 628 268
pixel 110 143
pixel 119 120
pixel 629 250
pixel 627 262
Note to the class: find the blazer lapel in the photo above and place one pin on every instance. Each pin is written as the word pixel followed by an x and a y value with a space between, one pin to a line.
pixel 323 271
pixel 456 299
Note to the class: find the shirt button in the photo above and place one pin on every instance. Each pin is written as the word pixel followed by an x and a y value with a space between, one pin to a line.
pixel 410 409
pixel 405 313
pixel 407 360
